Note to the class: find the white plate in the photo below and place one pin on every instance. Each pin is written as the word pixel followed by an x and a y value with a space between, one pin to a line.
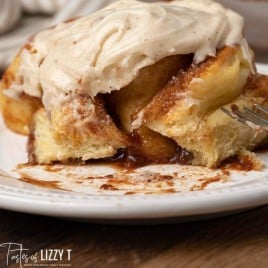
pixel 85 200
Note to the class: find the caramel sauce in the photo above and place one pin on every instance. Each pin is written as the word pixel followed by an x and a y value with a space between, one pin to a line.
pixel 242 163
pixel 131 158
pixel 46 184
pixel 108 187
pixel 234 108
pixel 134 156
pixel 130 193
pixel 52 168
pixel 71 19
pixel 262 148
pixel 30 148
pixel 123 181
pixel 206 182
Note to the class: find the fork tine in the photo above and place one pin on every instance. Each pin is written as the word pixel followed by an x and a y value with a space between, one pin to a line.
pixel 262 109
pixel 256 117
pixel 251 119
pixel 246 117
pixel 234 116
pixel 228 112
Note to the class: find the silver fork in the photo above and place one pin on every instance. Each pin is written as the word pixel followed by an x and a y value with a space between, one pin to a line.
pixel 257 117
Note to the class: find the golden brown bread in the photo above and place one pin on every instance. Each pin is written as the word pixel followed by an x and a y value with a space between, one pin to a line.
pixel 17 112
pixel 75 124
pixel 212 83
pixel 125 104
pixel 128 101
pixel 78 130
pixel 80 118
pixel 188 111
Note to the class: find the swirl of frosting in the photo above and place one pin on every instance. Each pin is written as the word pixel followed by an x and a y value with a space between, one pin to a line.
pixel 10 13
pixel 105 51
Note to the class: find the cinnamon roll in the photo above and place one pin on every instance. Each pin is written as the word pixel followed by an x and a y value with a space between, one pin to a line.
pixel 140 82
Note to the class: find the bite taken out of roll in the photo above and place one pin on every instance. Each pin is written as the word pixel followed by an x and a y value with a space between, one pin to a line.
pixel 140 82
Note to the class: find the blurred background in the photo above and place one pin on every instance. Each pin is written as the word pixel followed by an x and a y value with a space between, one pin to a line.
pixel 255 13
pixel 20 19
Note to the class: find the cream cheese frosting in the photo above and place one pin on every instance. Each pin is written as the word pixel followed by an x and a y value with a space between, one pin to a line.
pixel 104 51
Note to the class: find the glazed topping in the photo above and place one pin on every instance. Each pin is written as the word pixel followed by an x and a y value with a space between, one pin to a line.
pixel 105 51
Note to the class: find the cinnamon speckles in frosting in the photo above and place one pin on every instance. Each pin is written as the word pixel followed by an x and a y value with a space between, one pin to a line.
pixel 105 50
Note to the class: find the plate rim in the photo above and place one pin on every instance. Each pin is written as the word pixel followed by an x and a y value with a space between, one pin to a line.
pixel 77 205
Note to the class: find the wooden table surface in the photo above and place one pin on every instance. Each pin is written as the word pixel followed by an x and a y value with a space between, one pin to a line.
pixel 239 240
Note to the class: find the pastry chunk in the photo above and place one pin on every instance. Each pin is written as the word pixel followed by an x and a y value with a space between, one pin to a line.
pixel 78 130
pixel 136 81
pixel 18 109
pixel 146 145
pixel 187 109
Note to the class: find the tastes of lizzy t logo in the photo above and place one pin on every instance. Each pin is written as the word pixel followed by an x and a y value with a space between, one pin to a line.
pixel 16 253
